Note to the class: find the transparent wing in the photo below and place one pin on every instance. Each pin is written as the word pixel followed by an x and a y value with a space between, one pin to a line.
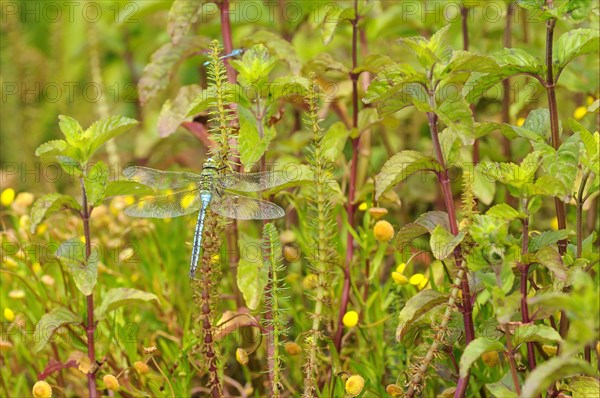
pixel 244 208
pixel 254 182
pixel 167 206
pixel 159 179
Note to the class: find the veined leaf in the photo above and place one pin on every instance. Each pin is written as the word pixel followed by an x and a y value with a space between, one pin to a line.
pixel 71 129
pixel 591 143
pixel 182 15
pixel 561 164
pixel 252 275
pixel 49 323
pixel 172 114
pixel 505 212
pixel 547 238
pixel 374 63
pixel 427 222
pixel 401 166
pixel 333 141
pixel 332 20
pixel 95 182
pixel 551 259
pixel 443 243
pixel 475 349
pixel 499 389
pixel 532 332
pixel 417 306
pixel 552 370
pixel 289 88
pixel 575 43
pixel 250 144
pixel 458 117
pixel 156 75
pixel 513 61
pixel 105 129
pixel 276 45
pixel 583 386
pixel 536 127
pixel 119 297
pixel 83 269
pixel 50 204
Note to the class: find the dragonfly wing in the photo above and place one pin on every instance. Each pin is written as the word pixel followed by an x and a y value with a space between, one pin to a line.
pixel 167 206
pixel 159 179
pixel 244 208
pixel 255 182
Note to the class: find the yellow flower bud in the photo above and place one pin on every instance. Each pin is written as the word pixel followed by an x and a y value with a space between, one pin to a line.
pixel 399 278
pixel 9 315
pixel 41 389
pixel 350 319
pixel 490 359
pixel 354 385
pixel 241 356
pixel 394 390
pixel 291 253
pixel 363 206
pixel 580 112
pixel 7 196
pixel 401 267
pixel 554 224
pixel 141 367
pixel 377 212
pixel 383 231
pixel 36 267
pixel 292 348
pixel 550 350
pixel 416 279
pixel 111 382
pixel 520 121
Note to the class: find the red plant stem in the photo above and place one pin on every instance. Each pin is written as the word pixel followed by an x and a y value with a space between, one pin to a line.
pixel 226 33
pixel 91 326
pixel 554 128
pixel 511 360
pixel 507 42
pixel 587 352
pixel 351 186
pixel 524 268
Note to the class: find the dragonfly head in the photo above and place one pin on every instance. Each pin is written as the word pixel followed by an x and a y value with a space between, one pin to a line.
pixel 210 163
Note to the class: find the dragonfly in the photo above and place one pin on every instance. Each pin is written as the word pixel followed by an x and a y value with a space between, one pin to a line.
pixel 185 193
pixel 233 53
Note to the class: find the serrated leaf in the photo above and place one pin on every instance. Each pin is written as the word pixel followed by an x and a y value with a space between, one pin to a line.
pixel 276 45
pixel 547 238
pixel 483 188
pixel 505 212
pixel 583 387
pixel 575 43
pixel 252 276
pixel 157 74
pixel 289 88
pixel 457 115
pixel 561 164
pixel 417 306
pixel 105 129
pixel 95 182
pixel 119 297
pixel 332 20
pixel 474 350
pixel 71 129
pixel 551 259
pixel 591 144
pixel 536 127
pixel 515 60
pixel 52 148
pixel 427 222
pixel 443 243
pixel 50 204
pixel 175 112
pixel 500 390
pixel 535 332
pixel 250 144
pixel 552 370
pixel 49 323
pixel 84 270
pixel 374 63
pixel 182 15
pixel 401 166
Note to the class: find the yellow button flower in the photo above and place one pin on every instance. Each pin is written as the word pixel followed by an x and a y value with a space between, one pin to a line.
pixel 7 196
pixel 416 279
pixel 241 356
pixel 401 267
pixel 9 315
pixel 354 385
pixel 36 267
pixel 141 367
pixel 580 112
pixel 362 206
pixel 111 382
pixel 41 389
pixel 399 278
pixel 554 224
pixel 383 231
pixel 350 319
pixel 520 121
pixel 394 390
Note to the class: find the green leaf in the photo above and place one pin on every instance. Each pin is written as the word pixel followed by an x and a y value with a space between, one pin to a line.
pixel 443 243
pixel 505 212
pixel 333 141
pixel 289 87
pixel 157 74
pixel 250 144
pixel 401 166
pixel 95 182
pixel 575 43
pixel 417 306
pixel 552 370
pixel 52 148
pixel 332 20
pixel 591 142
pixel 71 129
pixel 474 350
pixel 105 129
pixel 532 332
pixel 276 45
pixel 374 63
pixel 536 127
pixel 500 390
pixel 84 270
pixel 483 188
pixel 551 259
pixel 254 67
pixel 562 164
pixel 50 204
pixel 173 113
pixel 513 61
pixel 252 276
pixel 457 115
pixel 427 222
pixel 583 387
pixel 547 238
pixel 182 16
pixel 49 323
pixel 119 297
